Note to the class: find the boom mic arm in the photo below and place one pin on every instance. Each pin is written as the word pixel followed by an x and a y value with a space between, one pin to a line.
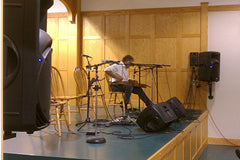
pixel 109 61
pixel 84 55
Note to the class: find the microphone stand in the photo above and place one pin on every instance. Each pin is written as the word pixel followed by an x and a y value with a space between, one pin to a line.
pixel 157 82
pixel 139 80
pixel 88 96
pixel 96 139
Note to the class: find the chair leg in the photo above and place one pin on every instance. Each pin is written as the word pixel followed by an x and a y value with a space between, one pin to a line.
pixel 124 111
pixel 58 120
pixel 105 106
pixel 114 107
pixel 79 102
pixel 68 112
pixel 66 119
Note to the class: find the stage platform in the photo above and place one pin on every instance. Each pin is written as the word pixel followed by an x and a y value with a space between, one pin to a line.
pixel 182 140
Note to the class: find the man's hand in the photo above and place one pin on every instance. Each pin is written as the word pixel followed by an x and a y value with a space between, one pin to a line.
pixel 133 81
pixel 118 78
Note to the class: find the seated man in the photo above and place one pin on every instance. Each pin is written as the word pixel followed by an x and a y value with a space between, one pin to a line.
pixel 118 73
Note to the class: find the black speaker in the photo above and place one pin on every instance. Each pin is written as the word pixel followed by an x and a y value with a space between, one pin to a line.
pixel 177 107
pixel 26 66
pixel 156 118
pixel 209 66
pixel 194 59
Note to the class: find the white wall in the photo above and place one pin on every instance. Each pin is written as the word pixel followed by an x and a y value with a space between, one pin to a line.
pixel 58 6
pixel 93 5
pixel 224 36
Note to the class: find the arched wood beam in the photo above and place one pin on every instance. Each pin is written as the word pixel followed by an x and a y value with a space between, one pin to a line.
pixel 71 6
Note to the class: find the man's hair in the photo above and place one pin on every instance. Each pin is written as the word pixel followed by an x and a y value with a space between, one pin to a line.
pixel 127 58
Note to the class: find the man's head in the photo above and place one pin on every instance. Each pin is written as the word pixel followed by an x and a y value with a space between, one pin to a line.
pixel 127 60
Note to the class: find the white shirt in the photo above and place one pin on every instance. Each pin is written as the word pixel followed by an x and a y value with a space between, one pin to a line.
pixel 118 69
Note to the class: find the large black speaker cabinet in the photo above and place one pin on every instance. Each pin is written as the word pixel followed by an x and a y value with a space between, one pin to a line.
pixel 209 66
pixel 26 66
pixel 177 107
pixel 156 118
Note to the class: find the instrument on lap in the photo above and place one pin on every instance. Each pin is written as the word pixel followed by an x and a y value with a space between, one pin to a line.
pixel 135 84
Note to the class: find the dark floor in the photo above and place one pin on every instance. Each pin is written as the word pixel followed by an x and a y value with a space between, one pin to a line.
pixel 218 152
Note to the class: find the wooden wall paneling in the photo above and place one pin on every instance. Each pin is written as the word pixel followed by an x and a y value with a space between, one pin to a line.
pixel 205 130
pixel 193 142
pixel 115 49
pixel 115 26
pixel 191 23
pixel 64 75
pixel 164 84
pixel 140 49
pixel 52 29
pixel 72 56
pixel 64 48
pixel 63 55
pixel 204 26
pixel 92 47
pixel 92 38
pixel 191 44
pixel 55 52
pixel 79 34
pixel 187 147
pixel 92 27
pixel 178 57
pixel 140 25
pixel 204 47
pixel 199 135
pixel 180 151
pixel 165 51
pixel 166 24
pixel 171 155
pixel 72 30
pixel 224 7
pixel 63 28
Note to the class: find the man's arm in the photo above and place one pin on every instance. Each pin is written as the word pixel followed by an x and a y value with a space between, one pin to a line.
pixel 117 77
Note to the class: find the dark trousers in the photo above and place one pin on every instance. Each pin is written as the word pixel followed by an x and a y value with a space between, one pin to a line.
pixel 128 90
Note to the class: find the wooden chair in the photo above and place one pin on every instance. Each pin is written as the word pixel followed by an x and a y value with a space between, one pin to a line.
pixel 57 109
pixel 58 93
pixel 81 78
pixel 116 98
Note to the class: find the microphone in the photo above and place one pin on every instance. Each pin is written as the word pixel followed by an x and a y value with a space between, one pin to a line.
pixel 84 55
pixel 109 61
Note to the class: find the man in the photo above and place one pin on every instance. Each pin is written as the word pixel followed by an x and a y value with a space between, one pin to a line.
pixel 118 73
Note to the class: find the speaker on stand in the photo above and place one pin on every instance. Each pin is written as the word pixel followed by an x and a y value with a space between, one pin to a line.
pixel 209 68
